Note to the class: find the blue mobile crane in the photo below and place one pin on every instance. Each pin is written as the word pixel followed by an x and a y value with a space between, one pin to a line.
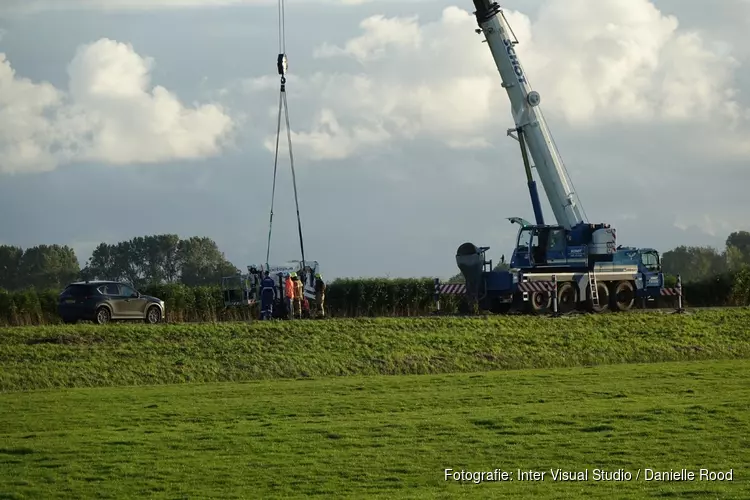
pixel 590 271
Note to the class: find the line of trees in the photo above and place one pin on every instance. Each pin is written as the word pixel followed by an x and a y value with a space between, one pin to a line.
pixel 696 264
pixel 186 274
pixel 40 267
pixel 197 261
pixel 142 261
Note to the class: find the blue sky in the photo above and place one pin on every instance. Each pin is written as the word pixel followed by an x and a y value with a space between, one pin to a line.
pixel 120 119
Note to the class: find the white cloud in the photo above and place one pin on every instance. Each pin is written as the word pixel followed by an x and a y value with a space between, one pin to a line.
pixel 381 34
pixel 624 60
pixel 595 63
pixel 110 114
pixel 35 6
pixel 706 224
pixel 25 130
pixel 329 140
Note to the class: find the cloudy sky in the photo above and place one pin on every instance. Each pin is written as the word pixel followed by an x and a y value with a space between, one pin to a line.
pixel 121 118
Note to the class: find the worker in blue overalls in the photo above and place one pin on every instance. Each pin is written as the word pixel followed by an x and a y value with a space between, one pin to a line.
pixel 267 296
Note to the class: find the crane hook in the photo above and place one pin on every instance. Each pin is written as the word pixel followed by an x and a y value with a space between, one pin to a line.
pixel 282 64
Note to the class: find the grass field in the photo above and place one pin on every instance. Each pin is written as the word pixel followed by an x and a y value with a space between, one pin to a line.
pixel 116 355
pixel 70 429
pixel 385 437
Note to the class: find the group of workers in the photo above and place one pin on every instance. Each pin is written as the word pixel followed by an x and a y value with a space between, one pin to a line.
pixel 294 301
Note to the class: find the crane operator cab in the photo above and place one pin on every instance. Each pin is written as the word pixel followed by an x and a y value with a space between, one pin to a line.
pixel 537 245
pixel 540 246
pixel 552 246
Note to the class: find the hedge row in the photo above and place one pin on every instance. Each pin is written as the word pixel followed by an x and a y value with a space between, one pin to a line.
pixel 345 298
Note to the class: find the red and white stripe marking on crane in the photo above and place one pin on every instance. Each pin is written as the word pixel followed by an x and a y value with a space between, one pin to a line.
pixel 451 289
pixel 536 286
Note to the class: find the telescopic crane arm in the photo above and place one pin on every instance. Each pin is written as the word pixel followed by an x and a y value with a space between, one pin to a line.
pixel 530 124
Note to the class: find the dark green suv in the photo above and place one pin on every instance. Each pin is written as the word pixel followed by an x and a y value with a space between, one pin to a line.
pixel 105 301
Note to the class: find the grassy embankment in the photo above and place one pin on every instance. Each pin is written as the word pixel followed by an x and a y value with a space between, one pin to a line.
pixel 88 355
pixel 384 437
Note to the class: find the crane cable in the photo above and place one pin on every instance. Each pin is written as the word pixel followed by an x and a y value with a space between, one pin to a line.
pixel 281 65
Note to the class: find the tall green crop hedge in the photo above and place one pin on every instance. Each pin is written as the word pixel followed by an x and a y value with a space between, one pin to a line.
pixel 344 298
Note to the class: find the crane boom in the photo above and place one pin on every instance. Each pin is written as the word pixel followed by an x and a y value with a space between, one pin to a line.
pixel 528 116
pixel 574 261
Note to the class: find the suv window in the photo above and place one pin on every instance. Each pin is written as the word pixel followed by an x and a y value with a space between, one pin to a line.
pixel 109 289
pixel 126 291
pixel 78 290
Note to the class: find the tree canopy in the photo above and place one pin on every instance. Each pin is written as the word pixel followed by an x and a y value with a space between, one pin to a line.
pixel 700 263
pixel 165 258
pixel 146 260
pixel 43 266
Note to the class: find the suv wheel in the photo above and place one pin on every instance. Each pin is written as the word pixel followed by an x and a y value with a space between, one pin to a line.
pixel 102 316
pixel 153 315
pixel 70 321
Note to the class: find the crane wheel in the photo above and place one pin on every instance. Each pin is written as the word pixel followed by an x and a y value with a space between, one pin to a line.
pixel 623 296
pixel 603 291
pixel 567 297
pixel 539 302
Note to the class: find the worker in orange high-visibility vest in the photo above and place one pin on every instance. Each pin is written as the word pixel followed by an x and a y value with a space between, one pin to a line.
pixel 298 292
pixel 289 296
